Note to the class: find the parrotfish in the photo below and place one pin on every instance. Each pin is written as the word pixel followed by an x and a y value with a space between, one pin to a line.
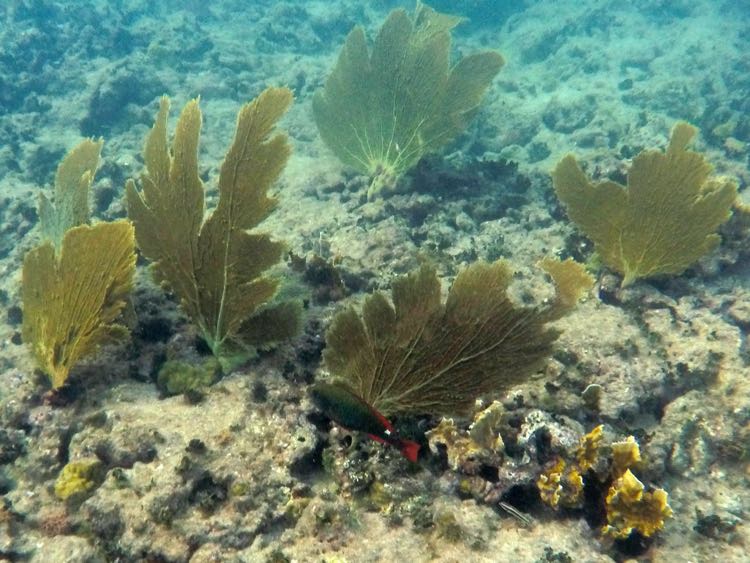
pixel 347 409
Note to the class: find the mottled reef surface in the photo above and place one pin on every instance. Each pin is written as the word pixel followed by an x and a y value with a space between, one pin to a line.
pixel 248 471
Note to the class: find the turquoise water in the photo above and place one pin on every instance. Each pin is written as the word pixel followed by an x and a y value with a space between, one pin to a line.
pixel 231 460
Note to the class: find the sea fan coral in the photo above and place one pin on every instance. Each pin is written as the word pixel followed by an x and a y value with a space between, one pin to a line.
pixel 76 283
pixel 215 267
pixel 380 112
pixel 72 300
pixel 664 220
pixel 419 355
pixel 73 179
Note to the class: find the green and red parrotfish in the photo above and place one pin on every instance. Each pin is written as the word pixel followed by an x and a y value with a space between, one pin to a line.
pixel 347 409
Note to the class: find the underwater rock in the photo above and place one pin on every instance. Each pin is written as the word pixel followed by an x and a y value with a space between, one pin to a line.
pixel 17 217
pixel 460 522
pixel 739 312
pixel 68 548
pixel 541 433
pixel 12 445
pixel 323 276
pixel 605 346
pixel 694 339
pixel 115 448
pixel 117 92
pixel 292 26
pixel 241 478
pixel 690 445
pixel 570 115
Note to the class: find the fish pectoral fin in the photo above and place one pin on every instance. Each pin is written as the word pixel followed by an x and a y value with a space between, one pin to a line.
pixel 379 439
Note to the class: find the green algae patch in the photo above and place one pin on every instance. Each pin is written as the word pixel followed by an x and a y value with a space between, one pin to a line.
pixel 663 221
pixel 176 377
pixel 78 479
pixel 381 111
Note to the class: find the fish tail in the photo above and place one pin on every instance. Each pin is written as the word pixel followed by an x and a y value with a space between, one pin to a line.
pixel 409 449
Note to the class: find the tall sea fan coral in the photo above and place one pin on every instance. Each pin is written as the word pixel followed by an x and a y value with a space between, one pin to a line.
pixel 664 220
pixel 380 112
pixel 215 266
pixel 419 355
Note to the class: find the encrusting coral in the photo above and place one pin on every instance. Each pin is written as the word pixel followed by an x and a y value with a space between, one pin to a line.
pixel 664 220
pixel 380 112
pixel 74 288
pixel 78 478
pixel 420 355
pixel 215 266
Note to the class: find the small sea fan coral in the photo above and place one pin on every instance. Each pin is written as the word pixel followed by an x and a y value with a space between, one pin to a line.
pixel 417 354
pixel 215 266
pixel 72 300
pixel 381 111
pixel 664 220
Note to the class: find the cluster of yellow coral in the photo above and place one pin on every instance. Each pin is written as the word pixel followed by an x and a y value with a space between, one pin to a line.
pixel 628 506
pixel 482 443
pixel 562 483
